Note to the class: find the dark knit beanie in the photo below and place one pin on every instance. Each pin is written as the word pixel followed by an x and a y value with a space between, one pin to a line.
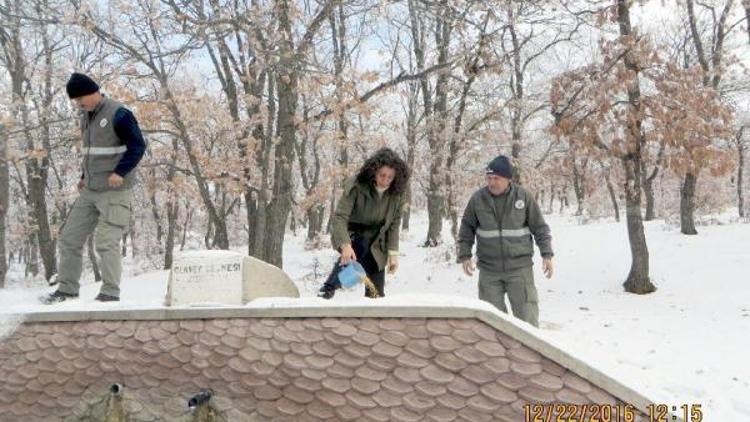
pixel 500 166
pixel 80 85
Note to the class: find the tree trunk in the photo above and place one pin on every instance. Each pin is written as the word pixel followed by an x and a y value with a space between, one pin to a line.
pixel 331 209
pixel 172 213
pixel 578 188
pixel 261 212
pixel 221 235
pixel 563 196
pixel 457 139
pixel 612 196
pixel 157 218
pixel 293 223
pixel 207 236
pixel 215 216
pixel 315 221
pixel 251 214
pixel 411 145
pixel 188 217
pixel 648 189
pixel 36 167
pixel 287 77
pixel 687 204
pixel 434 114
pixel 47 243
pixel 92 258
pixel 11 41
pixel 133 236
pixel 4 201
pixel 453 217
pixel 310 178
pixel 517 92
pixel 32 263
pixel 36 181
pixel 551 198
pixel 454 146
pixel 406 213
pixel 648 183
pixel 255 204
pixel 638 279
pixel 740 169
pixel 435 205
pixel 713 69
pixel 340 56
pixel 173 206
pixel 436 198
pixel 232 68
pixel 286 85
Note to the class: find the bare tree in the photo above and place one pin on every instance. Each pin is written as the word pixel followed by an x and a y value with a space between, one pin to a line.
pixel 475 65
pixel 288 72
pixel 149 48
pixel 638 280
pixel 611 190
pixel 712 62
pixel 579 181
pixel 527 36
pixel 36 164
pixel 308 148
pixel 742 143
pixel 630 155
pixel 435 108
pixel 234 37
pixel 648 181
pixel 412 121
pixel 4 201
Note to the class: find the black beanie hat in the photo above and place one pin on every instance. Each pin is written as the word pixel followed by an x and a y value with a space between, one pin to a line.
pixel 500 166
pixel 80 85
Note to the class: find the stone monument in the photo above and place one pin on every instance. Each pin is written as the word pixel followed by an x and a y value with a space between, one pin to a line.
pixel 224 278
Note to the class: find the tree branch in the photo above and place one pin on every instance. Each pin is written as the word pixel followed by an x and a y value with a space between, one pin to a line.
pixel 402 77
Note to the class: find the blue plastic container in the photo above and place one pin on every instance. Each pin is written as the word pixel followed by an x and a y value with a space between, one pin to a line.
pixel 351 275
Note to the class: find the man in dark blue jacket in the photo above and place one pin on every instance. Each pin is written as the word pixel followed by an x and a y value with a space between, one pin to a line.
pixel 112 146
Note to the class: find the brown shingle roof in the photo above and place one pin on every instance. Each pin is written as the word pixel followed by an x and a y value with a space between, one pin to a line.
pixel 301 369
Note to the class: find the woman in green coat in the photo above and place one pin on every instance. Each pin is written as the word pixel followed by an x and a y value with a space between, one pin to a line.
pixel 367 220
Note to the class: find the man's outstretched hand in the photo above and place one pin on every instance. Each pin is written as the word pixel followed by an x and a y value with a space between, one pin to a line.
pixel 547 267
pixel 468 267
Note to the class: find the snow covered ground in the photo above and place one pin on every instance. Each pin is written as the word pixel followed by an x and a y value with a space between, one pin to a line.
pixel 687 343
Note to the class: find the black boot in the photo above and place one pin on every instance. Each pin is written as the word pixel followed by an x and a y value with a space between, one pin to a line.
pixel 101 297
pixel 332 282
pixel 327 291
pixel 57 297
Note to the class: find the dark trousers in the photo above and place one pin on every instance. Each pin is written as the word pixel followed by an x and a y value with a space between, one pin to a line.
pixel 361 247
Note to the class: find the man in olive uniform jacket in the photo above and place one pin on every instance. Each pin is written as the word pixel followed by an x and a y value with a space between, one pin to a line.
pixel 503 216
pixel 112 146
